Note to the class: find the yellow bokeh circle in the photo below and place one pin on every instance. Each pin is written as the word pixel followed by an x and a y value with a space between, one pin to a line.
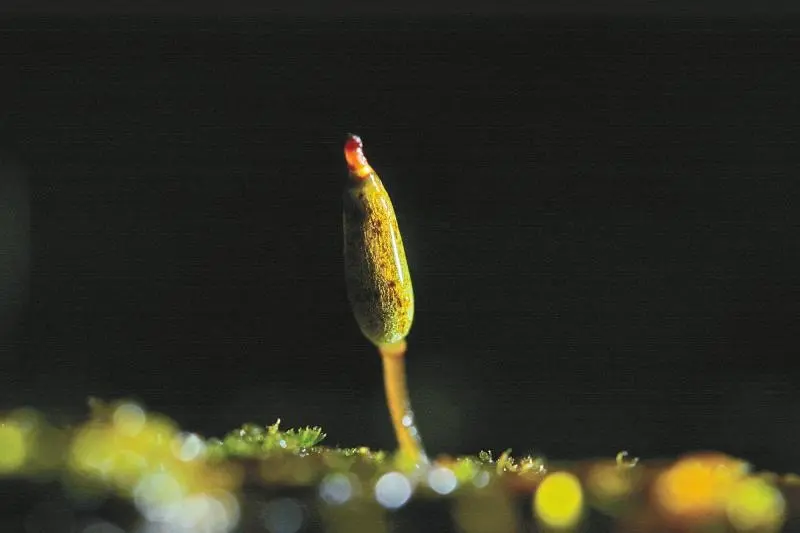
pixel 558 502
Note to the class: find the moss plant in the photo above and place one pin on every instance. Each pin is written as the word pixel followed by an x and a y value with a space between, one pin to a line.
pixel 252 440
pixel 124 469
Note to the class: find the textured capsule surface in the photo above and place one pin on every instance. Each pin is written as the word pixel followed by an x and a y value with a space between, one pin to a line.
pixel 376 273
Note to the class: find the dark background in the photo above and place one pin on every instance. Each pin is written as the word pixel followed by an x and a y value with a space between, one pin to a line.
pixel 600 213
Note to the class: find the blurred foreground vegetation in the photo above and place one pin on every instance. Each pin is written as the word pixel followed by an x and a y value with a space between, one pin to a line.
pixel 126 470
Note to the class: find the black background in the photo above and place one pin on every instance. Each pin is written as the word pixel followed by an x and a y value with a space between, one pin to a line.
pixel 600 214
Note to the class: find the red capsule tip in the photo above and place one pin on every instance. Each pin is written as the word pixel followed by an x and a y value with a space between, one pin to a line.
pixel 354 155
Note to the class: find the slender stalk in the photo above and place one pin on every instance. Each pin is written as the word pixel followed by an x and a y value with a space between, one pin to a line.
pixel 394 379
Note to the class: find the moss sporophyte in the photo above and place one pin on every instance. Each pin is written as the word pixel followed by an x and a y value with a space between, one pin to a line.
pixel 379 285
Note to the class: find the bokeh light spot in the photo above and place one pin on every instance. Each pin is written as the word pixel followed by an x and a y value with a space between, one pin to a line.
pixel 393 490
pixel 609 482
pixel 12 445
pixel 154 493
pixel 129 419
pixel 558 501
pixel 697 486
pixel 284 515
pixel 755 505
pixel 336 489
pixel 481 479
pixel 442 480
pixel 188 447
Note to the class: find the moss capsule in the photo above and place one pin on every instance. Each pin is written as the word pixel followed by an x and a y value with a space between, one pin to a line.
pixel 378 282
pixel 379 286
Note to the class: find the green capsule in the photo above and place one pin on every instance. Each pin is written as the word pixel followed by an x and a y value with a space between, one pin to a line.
pixel 376 272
